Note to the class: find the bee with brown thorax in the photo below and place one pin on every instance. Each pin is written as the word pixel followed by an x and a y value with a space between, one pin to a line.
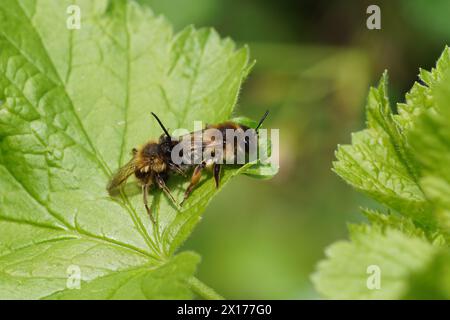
pixel 214 151
pixel 152 165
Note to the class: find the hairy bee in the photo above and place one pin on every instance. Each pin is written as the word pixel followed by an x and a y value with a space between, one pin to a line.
pixel 152 165
pixel 214 146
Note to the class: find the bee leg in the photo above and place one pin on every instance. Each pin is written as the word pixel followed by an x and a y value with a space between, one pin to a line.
pixel 134 151
pixel 162 185
pixel 194 180
pixel 216 171
pixel 145 195
pixel 177 169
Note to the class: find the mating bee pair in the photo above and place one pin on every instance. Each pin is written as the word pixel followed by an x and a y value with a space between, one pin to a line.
pixel 152 163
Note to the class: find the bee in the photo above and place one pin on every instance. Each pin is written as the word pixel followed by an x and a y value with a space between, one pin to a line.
pixel 152 166
pixel 153 163
pixel 214 151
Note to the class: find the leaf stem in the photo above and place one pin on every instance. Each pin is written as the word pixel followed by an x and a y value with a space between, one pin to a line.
pixel 203 290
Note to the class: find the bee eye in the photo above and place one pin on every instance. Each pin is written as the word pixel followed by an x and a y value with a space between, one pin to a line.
pixel 165 148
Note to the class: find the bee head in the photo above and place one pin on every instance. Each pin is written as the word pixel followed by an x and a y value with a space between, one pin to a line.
pixel 153 159
pixel 165 145
pixel 165 141
pixel 151 150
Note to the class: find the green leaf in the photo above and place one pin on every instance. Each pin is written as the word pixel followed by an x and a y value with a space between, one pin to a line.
pixel 393 221
pixel 431 142
pixel 433 282
pixel 380 162
pixel 73 103
pixel 402 161
pixel 164 282
pixel 346 274
pixel 377 163
pixel 406 225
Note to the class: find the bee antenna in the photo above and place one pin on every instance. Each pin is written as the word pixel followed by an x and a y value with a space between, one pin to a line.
pixel 162 126
pixel 262 120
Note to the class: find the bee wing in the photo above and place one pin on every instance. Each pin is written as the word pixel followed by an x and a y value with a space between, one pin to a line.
pixel 122 174
pixel 194 146
pixel 192 137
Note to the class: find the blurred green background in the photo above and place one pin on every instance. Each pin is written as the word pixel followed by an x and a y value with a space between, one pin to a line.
pixel 315 61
